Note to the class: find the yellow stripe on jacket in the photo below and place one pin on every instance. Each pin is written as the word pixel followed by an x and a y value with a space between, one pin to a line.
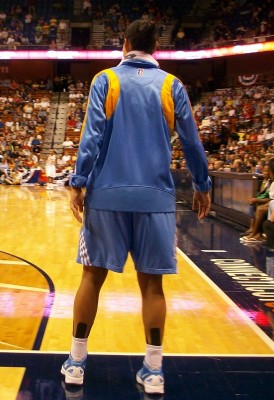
pixel 167 101
pixel 113 92
pixel 112 96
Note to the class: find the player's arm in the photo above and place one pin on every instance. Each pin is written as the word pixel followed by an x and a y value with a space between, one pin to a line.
pixel 202 203
pixel 92 132
pixel 77 202
pixel 193 149
pixel 91 139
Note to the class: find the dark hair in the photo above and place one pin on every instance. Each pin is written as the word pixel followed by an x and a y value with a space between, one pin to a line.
pixel 142 36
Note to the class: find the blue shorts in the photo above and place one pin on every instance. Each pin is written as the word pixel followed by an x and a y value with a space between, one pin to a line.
pixel 107 237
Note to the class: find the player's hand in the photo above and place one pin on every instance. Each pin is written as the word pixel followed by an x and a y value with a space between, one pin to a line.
pixel 201 202
pixel 77 202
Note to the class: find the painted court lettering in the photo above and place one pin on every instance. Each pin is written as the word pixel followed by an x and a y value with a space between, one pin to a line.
pixel 251 278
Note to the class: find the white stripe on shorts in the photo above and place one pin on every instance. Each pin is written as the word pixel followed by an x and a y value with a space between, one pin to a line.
pixel 83 250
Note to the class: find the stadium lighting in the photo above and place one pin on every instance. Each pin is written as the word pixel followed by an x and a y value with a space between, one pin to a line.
pixel 117 54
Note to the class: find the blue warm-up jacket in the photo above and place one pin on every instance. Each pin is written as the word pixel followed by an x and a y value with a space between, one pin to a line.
pixel 125 153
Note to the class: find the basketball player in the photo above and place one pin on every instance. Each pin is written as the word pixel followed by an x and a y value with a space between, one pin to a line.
pixel 123 163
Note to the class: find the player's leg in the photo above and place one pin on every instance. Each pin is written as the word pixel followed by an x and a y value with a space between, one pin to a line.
pixel 154 315
pixel 153 307
pixel 154 255
pixel 84 313
pixel 86 300
pixel 103 245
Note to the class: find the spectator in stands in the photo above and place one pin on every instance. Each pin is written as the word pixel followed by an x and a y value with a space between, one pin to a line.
pixel 262 211
pixel 218 165
pixel 78 124
pixel 115 42
pixel 52 44
pixel 52 36
pixel 29 162
pixel 14 178
pixel 2 174
pixel 10 40
pixel 268 226
pixel 3 163
pixel 71 121
pixel 238 166
pixel 51 168
pixel 262 197
pixel 45 30
pixel 68 143
pixel 87 7
pixel 28 18
pixel 62 30
pixel 25 40
pixel 9 148
pixel 59 162
pixel 180 40
pixel 39 176
pixel 36 144
pixel 66 157
pixel 3 16
pixel 76 142
pixel 38 38
pixel 4 34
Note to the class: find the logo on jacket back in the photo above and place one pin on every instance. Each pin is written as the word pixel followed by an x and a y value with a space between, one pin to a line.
pixel 140 71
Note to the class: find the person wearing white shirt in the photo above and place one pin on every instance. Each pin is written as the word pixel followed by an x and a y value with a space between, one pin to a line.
pixel 66 157
pixel 51 168
pixel 68 143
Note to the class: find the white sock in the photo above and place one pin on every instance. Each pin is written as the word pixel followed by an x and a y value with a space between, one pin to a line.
pixel 154 356
pixel 79 348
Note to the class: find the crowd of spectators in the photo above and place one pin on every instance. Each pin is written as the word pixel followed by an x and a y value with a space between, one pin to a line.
pixel 78 92
pixel 22 24
pixel 24 110
pixel 235 22
pixel 236 127
pixel 237 130
pixel 226 22
pixel 118 16
pixel 25 24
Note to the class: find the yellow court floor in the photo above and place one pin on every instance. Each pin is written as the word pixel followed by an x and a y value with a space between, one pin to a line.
pixel 38 230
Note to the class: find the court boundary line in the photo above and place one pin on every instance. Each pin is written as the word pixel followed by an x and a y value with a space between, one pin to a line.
pixel 51 296
pixel 12 262
pixel 16 348
pixel 26 288
pixel 112 353
pixel 263 336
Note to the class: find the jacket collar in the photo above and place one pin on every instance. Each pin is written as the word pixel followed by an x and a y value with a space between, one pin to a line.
pixel 139 56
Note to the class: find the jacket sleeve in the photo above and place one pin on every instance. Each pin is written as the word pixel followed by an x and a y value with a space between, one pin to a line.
pixel 92 132
pixel 186 128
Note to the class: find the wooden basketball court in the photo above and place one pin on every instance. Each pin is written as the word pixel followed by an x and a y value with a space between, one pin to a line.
pixel 39 277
